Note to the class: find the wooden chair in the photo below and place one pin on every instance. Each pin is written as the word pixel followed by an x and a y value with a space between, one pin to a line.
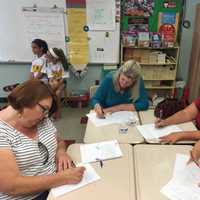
pixel 93 90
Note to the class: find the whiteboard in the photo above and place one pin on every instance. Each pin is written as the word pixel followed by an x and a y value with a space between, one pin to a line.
pixel 15 45
pixel 104 32
pixel 104 49
pixel 101 15
pixel 104 36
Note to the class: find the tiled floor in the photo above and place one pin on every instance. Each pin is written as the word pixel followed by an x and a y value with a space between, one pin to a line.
pixel 69 125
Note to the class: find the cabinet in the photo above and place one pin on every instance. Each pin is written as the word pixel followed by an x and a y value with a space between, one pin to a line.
pixel 159 67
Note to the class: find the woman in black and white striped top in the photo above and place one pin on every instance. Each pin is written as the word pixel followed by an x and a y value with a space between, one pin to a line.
pixel 32 156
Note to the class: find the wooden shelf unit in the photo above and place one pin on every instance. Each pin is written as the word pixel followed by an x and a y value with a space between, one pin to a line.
pixel 157 76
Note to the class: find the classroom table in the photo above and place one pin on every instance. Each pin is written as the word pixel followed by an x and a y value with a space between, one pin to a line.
pixel 117 178
pixel 111 132
pixel 154 166
pixel 148 117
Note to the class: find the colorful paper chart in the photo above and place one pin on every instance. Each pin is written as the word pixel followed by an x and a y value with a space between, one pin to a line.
pixel 78 38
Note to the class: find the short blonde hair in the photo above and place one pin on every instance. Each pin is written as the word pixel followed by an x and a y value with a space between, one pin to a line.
pixel 131 69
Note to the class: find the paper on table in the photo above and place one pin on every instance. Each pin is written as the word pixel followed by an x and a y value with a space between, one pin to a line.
pixel 100 151
pixel 89 176
pixel 114 118
pixel 149 131
pixel 184 184
pixel 180 163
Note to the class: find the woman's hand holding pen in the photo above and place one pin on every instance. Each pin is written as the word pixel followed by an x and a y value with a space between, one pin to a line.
pixel 195 154
pixel 99 111
pixel 159 123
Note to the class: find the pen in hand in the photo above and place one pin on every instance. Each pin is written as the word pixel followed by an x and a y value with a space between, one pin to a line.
pixel 193 159
pixel 161 114
pixel 102 116
pixel 100 162
pixel 73 164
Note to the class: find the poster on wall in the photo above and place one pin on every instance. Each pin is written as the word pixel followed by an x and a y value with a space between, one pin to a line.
pixel 168 26
pixel 77 35
pixel 101 15
pixel 139 7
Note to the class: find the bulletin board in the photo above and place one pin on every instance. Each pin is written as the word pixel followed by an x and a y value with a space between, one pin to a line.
pixel 103 17
pixel 103 30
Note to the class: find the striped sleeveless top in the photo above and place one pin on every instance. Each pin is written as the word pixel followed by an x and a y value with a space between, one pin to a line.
pixel 33 157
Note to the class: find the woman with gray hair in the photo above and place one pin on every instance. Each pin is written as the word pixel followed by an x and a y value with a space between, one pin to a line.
pixel 122 90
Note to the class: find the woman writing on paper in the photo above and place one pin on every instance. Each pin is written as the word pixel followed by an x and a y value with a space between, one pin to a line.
pixel 190 113
pixel 38 66
pixel 122 90
pixel 57 72
pixel 32 155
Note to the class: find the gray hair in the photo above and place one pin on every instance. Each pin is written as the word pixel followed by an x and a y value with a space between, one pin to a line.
pixel 132 70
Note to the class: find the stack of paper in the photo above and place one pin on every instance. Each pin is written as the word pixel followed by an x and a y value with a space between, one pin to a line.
pixel 100 151
pixel 89 176
pixel 149 131
pixel 185 180
pixel 114 118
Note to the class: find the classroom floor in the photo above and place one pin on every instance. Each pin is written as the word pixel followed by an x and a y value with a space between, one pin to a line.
pixel 69 125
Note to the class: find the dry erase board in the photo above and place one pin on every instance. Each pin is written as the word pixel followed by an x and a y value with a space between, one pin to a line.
pixel 18 27
pixel 103 20
pixel 103 28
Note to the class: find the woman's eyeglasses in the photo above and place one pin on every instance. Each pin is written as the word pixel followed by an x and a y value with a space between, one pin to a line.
pixel 54 106
pixel 43 150
pixel 44 110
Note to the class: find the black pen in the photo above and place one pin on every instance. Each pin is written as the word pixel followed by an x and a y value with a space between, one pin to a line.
pixel 194 160
pixel 100 162
pixel 103 116
pixel 73 164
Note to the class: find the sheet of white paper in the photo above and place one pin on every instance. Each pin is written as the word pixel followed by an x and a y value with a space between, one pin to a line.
pixel 184 184
pixel 178 191
pixel 180 163
pixel 100 151
pixel 101 15
pixel 175 191
pixel 149 131
pixel 89 176
pixel 114 118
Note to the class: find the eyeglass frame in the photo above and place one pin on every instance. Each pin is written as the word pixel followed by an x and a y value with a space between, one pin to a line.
pixel 54 106
pixel 44 110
